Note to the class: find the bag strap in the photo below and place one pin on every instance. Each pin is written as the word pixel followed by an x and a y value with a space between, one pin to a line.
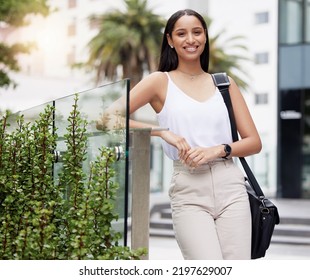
pixel 222 82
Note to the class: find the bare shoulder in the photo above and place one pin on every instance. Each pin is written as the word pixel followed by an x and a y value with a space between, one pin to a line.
pixel 237 99
pixel 150 89
pixel 234 89
pixel 241 110
pixel 151 82
pixel 156 77
pixel 232 82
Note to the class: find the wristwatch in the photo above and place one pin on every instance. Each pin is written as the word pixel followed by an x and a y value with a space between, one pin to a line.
pixel 227 150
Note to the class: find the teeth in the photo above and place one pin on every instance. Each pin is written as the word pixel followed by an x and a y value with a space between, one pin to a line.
pixel 191 49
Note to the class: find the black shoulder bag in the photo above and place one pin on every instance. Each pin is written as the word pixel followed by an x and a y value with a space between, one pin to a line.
pixel 264 213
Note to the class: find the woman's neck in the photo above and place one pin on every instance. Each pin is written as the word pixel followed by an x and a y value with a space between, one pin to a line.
pixel 191 73
pixel 190 68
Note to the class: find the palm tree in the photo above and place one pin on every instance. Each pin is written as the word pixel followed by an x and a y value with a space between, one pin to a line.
pixel 129 39
pixel 222 61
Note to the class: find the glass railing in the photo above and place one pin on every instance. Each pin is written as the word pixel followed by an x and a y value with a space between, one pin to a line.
pixel 106 126
pixel 93 105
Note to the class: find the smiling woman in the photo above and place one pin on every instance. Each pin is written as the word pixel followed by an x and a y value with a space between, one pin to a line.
pixel 210 207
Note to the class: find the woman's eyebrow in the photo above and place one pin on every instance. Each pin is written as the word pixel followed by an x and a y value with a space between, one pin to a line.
pixel 183 28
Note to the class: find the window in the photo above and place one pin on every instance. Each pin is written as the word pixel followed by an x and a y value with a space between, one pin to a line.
pixel 294 21
pixel 262 58
pixel 291 21
pixel 71 29
pixel 71 4
pixel 261 18
pixel 261 98
pixel 71 56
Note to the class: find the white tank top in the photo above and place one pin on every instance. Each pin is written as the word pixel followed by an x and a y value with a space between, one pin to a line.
pixel 202 124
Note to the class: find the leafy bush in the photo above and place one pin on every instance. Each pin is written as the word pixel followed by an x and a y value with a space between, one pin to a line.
pixel 70 219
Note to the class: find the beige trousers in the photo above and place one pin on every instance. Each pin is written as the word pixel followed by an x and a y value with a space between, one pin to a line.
pixel 211 212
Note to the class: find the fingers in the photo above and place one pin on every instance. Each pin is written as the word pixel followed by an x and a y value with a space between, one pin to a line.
pixel 177 141
pixel 194 157
pixel 183 147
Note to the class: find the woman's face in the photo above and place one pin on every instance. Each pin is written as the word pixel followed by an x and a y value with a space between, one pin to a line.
pixel 188 37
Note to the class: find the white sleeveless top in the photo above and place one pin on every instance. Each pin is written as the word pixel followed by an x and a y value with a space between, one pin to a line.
pixel 202 124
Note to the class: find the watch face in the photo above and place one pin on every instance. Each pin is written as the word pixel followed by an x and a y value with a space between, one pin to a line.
pixel 227 149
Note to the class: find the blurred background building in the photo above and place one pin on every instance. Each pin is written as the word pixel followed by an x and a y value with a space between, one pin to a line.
pixel 294 99
pixel 277 37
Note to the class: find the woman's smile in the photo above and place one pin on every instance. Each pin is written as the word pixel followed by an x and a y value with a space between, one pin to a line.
pixel 191 49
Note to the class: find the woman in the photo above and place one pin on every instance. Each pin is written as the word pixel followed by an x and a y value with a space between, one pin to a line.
pixel 210 208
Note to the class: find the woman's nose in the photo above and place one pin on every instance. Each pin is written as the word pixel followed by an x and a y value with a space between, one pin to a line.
pixel 190 38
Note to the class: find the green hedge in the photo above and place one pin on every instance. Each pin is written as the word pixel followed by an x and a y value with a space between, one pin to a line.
pixel 70 219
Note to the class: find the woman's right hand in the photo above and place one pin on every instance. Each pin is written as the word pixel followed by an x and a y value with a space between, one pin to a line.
pixel 177 141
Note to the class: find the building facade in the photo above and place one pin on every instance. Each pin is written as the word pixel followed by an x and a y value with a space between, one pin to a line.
pixel 294 99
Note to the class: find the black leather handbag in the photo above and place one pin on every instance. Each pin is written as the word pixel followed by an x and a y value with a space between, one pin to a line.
pixel 264 213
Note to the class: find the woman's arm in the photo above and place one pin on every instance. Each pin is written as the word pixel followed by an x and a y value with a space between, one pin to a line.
pixel 144 92
pixel 250 142
pixel 153 90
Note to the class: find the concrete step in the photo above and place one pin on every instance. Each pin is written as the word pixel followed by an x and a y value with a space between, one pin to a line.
pixel 295 220
pixel 297 230
pixel 291 230
pixel 290 240
pixel 158 232
pixel 158 223
pixel 161 225
pixel 166 214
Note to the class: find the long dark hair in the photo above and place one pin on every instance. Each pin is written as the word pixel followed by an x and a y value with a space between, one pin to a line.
pixel 168 56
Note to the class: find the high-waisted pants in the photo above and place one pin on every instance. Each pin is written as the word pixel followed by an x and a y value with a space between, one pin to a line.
pixel 211 211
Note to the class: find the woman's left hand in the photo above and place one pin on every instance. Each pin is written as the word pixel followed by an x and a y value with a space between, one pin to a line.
pixel 200 155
